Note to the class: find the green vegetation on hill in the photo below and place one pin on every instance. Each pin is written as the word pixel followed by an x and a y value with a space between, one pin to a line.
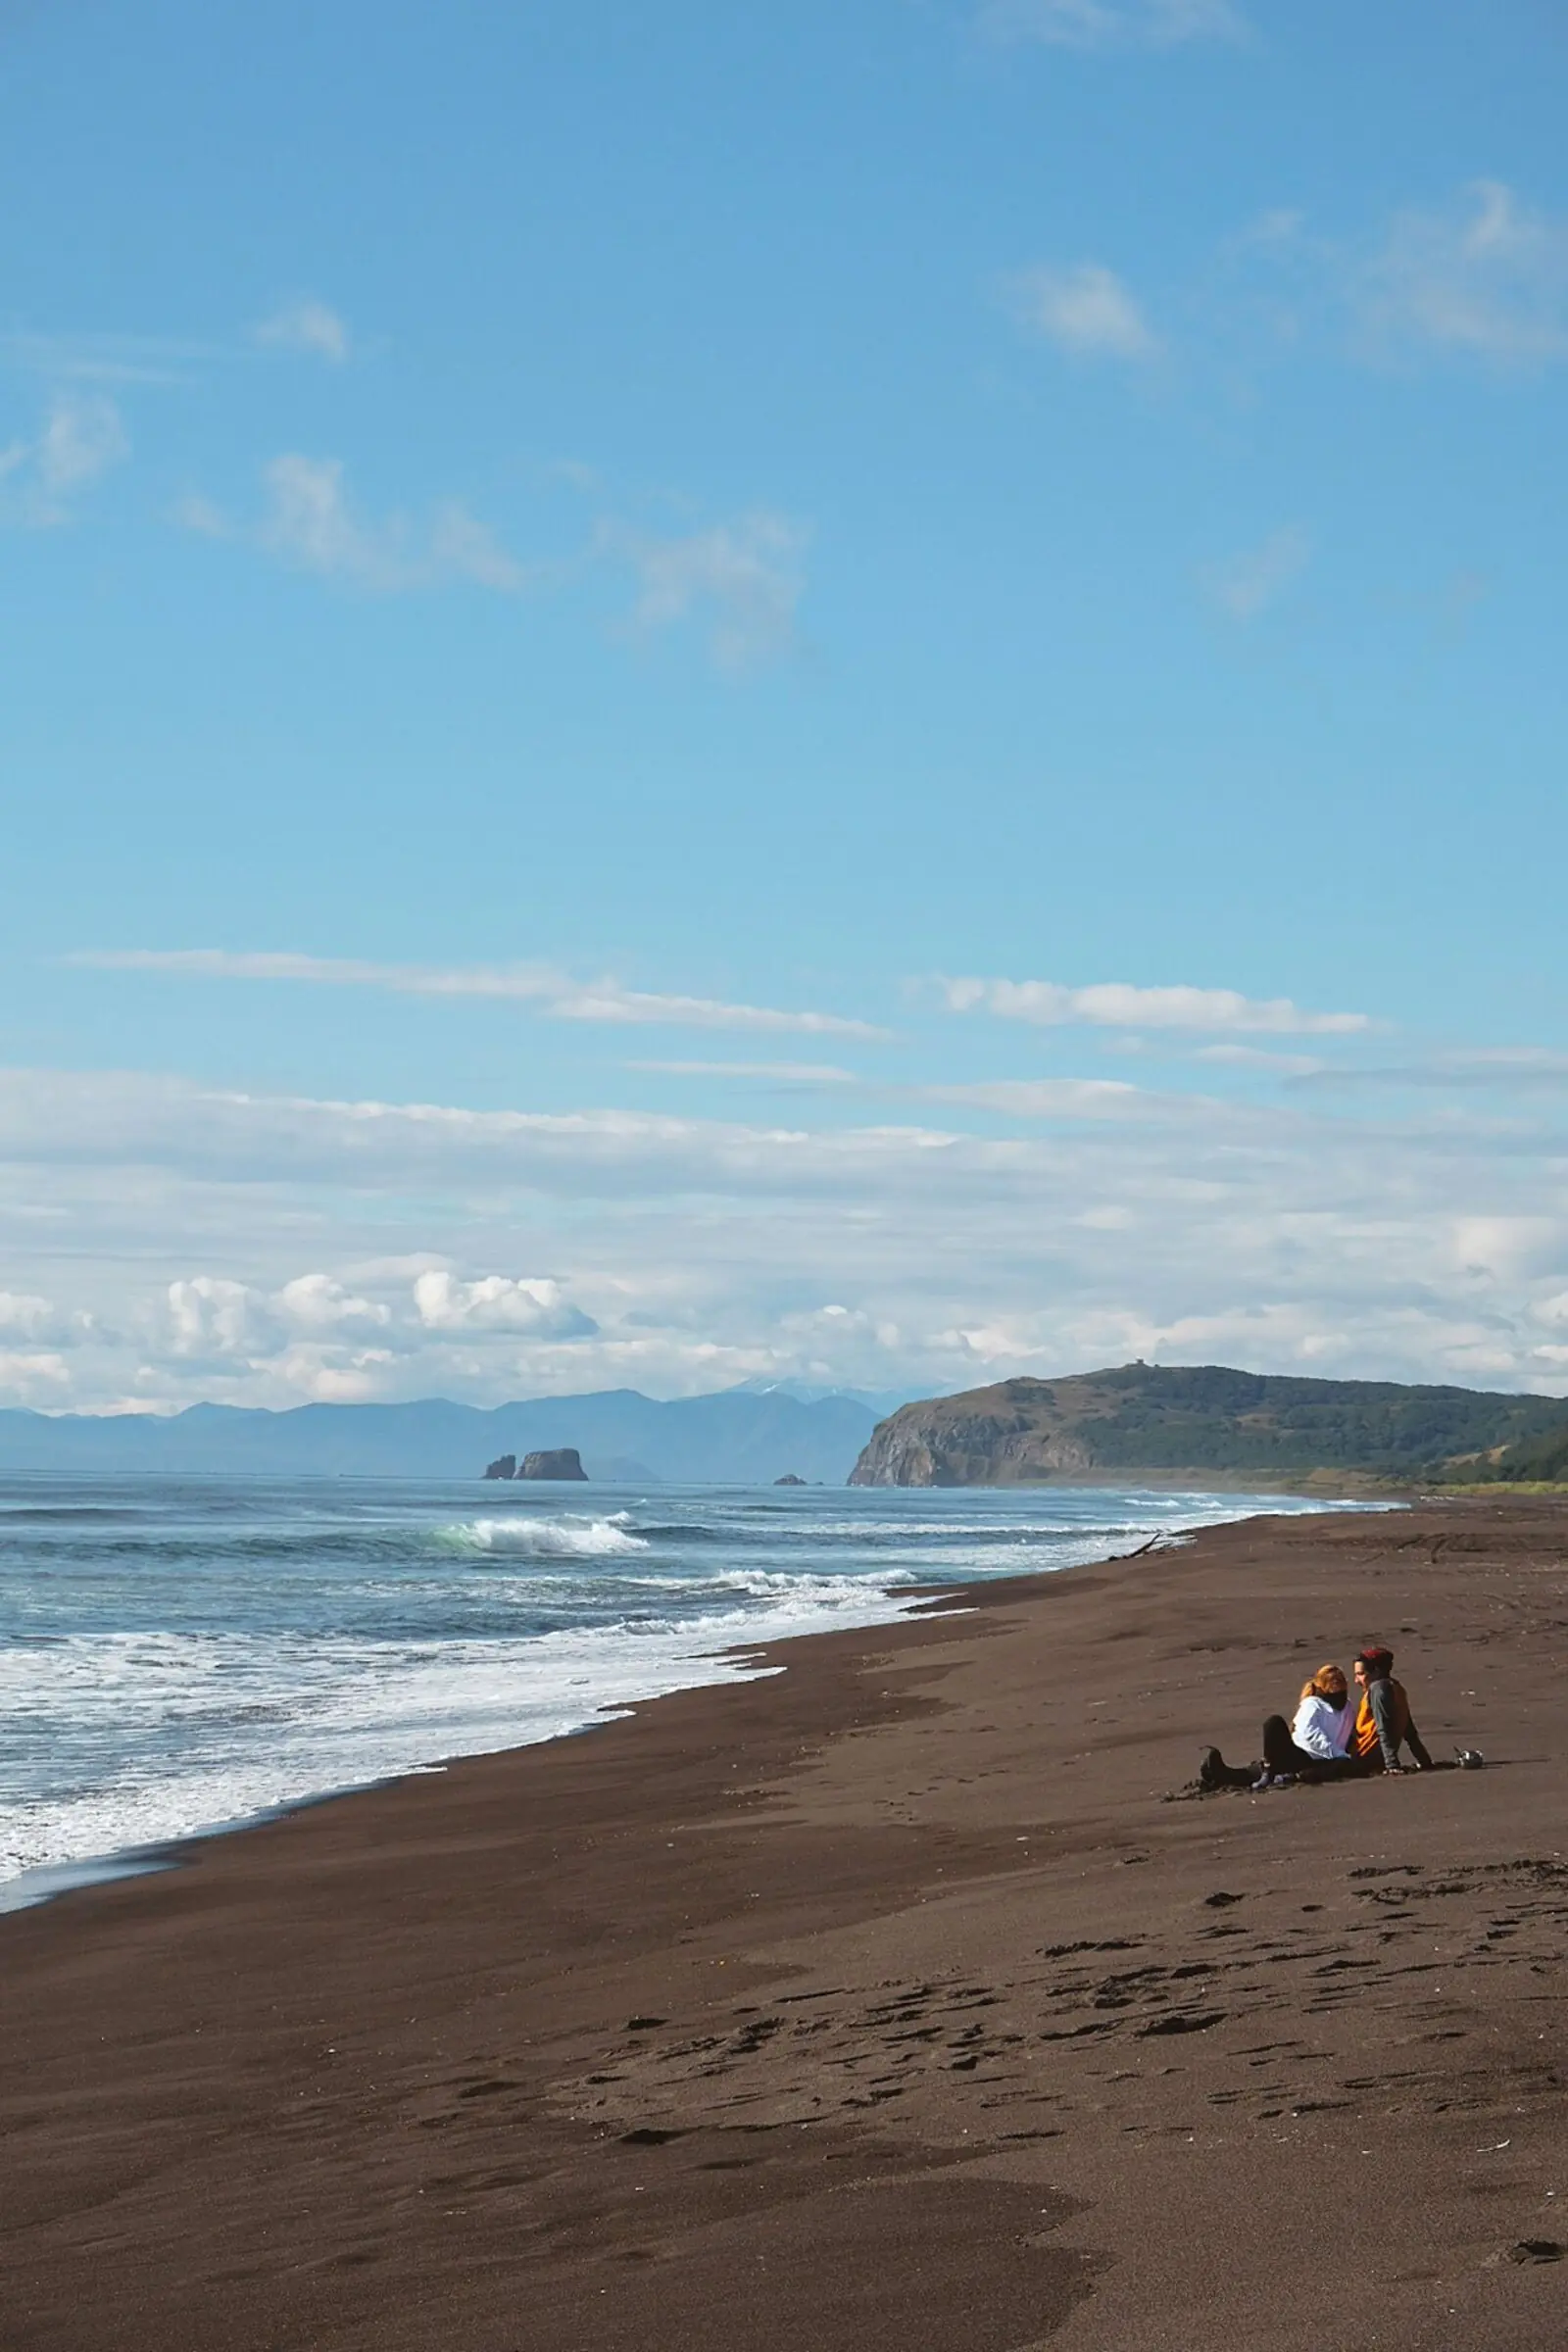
pixel 1205 1420
pixel 1532 1462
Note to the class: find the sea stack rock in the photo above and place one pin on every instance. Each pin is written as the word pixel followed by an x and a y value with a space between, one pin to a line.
pixel 561 1461
pixel 789 1479
pixel 504 1466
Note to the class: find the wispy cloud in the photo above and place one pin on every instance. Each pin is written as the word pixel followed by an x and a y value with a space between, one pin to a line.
pixel 555 993
pixel 1111 24
pixel 743 578
pixel 1259 1057
pixel 1484 274
pixel 1053 1097
pixel 1085 310
pixel 106 358
pixel 81 438
pixel 309 522
pixel 1245 585
pixel 307 326
pixel 1498 1068
pixel 787 1073
pixel 1119 1005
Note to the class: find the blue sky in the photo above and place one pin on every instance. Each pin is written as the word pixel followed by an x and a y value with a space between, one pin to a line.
pixel 872 694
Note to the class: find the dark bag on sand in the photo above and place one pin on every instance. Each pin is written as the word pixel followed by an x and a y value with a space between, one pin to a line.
pixel 1470 1758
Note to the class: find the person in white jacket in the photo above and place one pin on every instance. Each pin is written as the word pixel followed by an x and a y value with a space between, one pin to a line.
pixel 1316 1746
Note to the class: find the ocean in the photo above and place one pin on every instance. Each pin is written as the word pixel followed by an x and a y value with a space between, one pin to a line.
pixel 179 1655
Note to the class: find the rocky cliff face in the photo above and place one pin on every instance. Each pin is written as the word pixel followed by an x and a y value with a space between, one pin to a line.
pixel 991 1437
pixel 1195 1424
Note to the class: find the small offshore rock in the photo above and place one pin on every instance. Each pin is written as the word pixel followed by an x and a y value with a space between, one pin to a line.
pixel 505 1465
pixel 559 1461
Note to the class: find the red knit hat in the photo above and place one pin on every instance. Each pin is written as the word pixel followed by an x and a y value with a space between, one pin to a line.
pixel 1375 1658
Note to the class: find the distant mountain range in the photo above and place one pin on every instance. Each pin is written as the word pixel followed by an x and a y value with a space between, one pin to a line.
pixel 746 1437
pixel 1209 1424
pixel 1179 1425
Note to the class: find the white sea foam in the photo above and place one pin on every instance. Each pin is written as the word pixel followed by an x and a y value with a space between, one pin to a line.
pixel 553 1539
pixel 213 1732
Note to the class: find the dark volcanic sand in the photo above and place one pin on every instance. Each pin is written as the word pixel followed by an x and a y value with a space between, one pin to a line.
pixel 884 2004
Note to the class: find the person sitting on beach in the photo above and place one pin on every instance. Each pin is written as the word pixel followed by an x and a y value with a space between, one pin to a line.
pixel 1314 1746
pixel 1382 1720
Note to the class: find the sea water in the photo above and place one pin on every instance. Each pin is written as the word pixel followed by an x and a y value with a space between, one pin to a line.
pixel 182 1655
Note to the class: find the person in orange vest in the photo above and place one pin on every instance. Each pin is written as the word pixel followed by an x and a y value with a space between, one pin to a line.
pixel 1382 1720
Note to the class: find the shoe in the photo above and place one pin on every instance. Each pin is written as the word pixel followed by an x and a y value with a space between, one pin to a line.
pixel 1285 1780
pixel 1264 1779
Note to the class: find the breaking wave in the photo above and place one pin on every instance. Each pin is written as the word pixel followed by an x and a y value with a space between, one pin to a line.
pixel 552 1539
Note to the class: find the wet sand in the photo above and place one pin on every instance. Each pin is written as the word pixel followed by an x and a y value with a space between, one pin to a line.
pixel 889 2001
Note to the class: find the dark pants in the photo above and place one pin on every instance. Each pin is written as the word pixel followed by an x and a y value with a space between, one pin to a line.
pixel 1281 1754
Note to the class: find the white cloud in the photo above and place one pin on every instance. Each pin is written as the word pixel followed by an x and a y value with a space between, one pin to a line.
pixel 826 1330
pixel 745 577
pixel 332 1376
pixel 82 437
pixel 308 326
pixel 496 1302
pixel 310 523
pixel 24 1315
pixel 739 580
pixel 557 994
pixel 1111 24
pixel 301 1336
pixel 1485 274
pixel 1248 584
pixel 607 1001
pixel 1117 1005
pixel 210 1315
pixel 1085 310
pixel 320 1303
pixel 28 1376
pixel 1506 1245
pixel 703 1251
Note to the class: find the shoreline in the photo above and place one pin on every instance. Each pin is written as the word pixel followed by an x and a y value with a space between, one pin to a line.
pixel 55 1880
pixel 884 1998
pixel 174 1853
pixel 709 1667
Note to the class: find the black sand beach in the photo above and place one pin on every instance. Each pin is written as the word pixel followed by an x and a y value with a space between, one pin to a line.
pixel 886 2002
